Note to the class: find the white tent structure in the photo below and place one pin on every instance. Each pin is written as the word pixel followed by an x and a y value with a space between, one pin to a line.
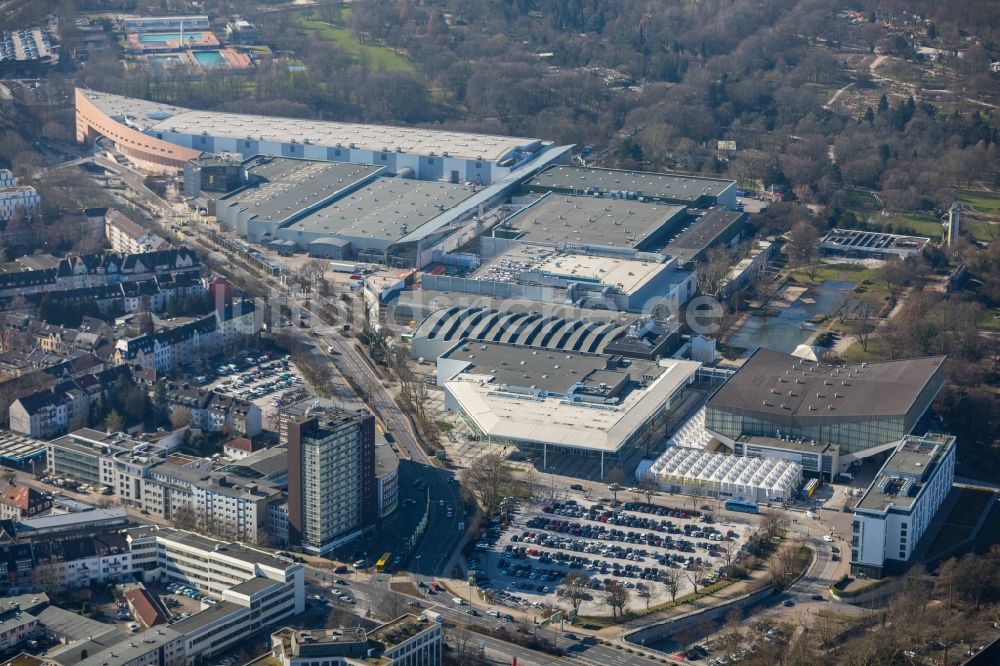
pixel 692 472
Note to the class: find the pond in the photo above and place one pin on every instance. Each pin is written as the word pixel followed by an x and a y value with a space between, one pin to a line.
pixel 790 328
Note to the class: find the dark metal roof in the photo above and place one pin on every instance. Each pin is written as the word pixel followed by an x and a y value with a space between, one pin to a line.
pixel 787 389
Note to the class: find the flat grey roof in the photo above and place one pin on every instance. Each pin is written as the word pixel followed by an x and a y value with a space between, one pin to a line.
pixel 206 616
pixel 80 518
pixel 381 209
pixel 154 117
pixel 229 484
pixel 235 550
pixel 546 370
pixel 386 460
pixel 784 388
pixel 702 233
pixel 873 241
pixel 290 186
pixel 790 445
pixel 557 218
pixel 133 647
pixel 668 186
pixel 13 445
pixel 71 625
pixel 254 585
pixel 902 477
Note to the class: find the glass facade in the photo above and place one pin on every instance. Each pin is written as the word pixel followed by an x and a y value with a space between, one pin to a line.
pixel 854 435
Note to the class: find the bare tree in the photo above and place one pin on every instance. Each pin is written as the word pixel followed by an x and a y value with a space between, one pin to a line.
pixel 802 245
pixel 648 486
pixel 616 596
pixel 729 549
pixel 615 478
pixel 866 313
pixel 574 588
pixel 488 478
pixel 180 417
pixel 184 518
pixel 671 579
pixel 694 575
pixel 390 605
pixel 713 271
pixel 946 578
pixel 466 648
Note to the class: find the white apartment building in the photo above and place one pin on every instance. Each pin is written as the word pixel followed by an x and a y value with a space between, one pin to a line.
pixel 895 511
pixel 233 507
pixel 126 235
pixel 16 200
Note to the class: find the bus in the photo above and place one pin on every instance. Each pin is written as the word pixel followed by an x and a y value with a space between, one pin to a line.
pixel 742 506
pixel 384 563
pixel 810 488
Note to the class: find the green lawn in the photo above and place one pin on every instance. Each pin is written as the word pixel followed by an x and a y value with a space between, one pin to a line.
pixel 378 57
pixel 983 202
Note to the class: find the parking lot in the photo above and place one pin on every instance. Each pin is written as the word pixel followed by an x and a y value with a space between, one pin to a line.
pixel 642 546
pixel 260 379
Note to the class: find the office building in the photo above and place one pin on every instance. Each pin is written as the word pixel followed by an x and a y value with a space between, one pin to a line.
pixel 405 641
pixel 162 138
pixel 863 408
pixel 331 480
pixel 900 503
pixel 16 200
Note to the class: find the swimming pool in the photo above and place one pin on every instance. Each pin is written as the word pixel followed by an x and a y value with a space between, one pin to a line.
pixel 210 58
pixel 163 37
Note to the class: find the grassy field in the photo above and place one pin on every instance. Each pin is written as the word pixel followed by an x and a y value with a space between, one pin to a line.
pixel 987 203
pixel 866 207
pixel 961 519
pixel 379 58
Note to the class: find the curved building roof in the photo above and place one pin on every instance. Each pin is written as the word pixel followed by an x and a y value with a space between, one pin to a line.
pixel 533 329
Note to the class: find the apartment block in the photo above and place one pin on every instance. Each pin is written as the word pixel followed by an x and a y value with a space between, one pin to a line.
pixel 331 480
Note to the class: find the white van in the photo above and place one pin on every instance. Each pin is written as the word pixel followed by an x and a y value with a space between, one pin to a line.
pixel 457 601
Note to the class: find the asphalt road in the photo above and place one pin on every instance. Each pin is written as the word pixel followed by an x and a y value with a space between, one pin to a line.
pixel 443 534
pixel 587 651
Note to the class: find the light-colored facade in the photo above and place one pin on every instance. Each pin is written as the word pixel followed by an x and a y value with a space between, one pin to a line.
pixel 21 201
pixel 214 567
pixel 693 472
pixel 234 508
pixel 386 479
pixel 405 641
pixel 331 480
pixel 898 506
pixel 125 235
pixel 163 138
pixel 198 339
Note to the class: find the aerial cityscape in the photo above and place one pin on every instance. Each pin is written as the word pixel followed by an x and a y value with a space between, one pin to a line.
pixel 514 332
